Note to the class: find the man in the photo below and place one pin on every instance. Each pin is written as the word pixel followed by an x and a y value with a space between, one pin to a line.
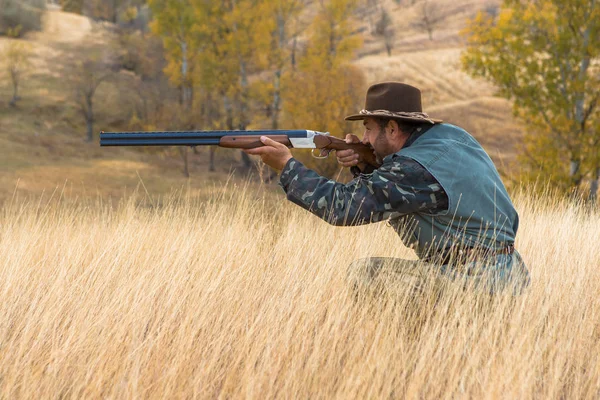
pixel 436 187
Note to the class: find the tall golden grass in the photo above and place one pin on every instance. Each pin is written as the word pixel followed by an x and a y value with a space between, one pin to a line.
pixel 244 296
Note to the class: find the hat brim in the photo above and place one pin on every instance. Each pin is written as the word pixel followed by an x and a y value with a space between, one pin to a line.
pixel 358 117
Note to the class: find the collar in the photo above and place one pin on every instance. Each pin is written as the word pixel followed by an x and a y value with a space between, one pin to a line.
pixel 416 133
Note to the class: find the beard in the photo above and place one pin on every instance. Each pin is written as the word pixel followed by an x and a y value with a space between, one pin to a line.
pixel 381 147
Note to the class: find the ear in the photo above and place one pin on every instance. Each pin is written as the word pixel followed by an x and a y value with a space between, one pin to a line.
pixel 393 128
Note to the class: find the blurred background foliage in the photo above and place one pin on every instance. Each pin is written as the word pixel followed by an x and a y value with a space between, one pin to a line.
pixel 544 55
pixel 298 64
pixel 21 16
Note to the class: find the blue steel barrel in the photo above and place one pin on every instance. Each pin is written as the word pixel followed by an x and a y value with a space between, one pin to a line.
pixel 184 138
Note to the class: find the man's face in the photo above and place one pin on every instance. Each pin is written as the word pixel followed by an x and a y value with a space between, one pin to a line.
pixel 378 139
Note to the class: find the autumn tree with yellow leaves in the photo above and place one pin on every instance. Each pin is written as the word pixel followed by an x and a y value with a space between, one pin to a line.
pixel 282 28
pixel 240 62
pixel 174 22
pixel 325 87
pixel 545 55
pixel 234 39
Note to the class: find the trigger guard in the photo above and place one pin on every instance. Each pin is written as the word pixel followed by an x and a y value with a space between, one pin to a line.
pixel 318 154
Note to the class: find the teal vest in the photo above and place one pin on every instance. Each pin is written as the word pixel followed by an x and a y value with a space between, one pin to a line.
pixel 480 211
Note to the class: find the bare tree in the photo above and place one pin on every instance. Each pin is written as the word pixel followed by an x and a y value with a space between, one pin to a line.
pixel 370 8
pixel 90 74
pixel 385 29
pixel 285 14
pixel 16 60
pixel 429 17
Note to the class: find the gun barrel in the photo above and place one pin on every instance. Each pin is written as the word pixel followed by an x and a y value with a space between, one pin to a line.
pixel 159 142
pixel 184 138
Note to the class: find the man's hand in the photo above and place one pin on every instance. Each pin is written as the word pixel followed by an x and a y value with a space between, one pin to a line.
pixel 274 154
pixel 349 158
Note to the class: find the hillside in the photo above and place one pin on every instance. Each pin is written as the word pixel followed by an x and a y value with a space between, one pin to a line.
pixel 42 144
pixel 41 140
pixel 434 66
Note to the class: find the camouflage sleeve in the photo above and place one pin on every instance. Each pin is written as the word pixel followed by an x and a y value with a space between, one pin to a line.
pixel 399 187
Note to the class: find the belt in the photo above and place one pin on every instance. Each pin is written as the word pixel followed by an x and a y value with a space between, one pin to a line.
pixel 461 255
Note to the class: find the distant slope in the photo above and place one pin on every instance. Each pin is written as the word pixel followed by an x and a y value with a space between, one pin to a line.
pixel 64 27
pixel 42 147
pixel 434 67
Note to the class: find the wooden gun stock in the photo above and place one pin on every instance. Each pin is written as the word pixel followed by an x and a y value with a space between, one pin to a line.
pixel 333 143
pixel 322 142
pixel 251 142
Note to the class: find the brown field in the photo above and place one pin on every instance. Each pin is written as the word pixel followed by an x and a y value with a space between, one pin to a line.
pixel 244 296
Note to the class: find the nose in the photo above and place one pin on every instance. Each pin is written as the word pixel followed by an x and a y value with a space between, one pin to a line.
pixel 365 139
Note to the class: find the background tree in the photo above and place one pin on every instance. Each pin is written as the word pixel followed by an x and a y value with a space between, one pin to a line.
pixel 107 10
pixel 283 31
pixel 16 59
pixel 325 87
pixel 244 62
pixel 385 29
pixel 544 55
pixel 236 45
pixel 247 39
pixel 429 16
pixel 90 74
pixel 174 22
pixel 370 9
pixel 114 11
pixel 144 56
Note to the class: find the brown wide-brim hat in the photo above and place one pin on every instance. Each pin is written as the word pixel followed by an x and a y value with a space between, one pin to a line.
pixel 393 100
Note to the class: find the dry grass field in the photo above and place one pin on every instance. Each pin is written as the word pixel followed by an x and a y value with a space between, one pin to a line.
pixel 244 296
pixel 225 290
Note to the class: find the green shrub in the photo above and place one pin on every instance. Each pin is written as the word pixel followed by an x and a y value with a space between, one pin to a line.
pixel 74 6
pixel 21 16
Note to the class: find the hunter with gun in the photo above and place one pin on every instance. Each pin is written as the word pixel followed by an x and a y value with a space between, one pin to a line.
pixel 431 181
pixel 434 184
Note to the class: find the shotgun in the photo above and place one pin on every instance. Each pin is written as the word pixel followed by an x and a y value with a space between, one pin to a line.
pixel 299 139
